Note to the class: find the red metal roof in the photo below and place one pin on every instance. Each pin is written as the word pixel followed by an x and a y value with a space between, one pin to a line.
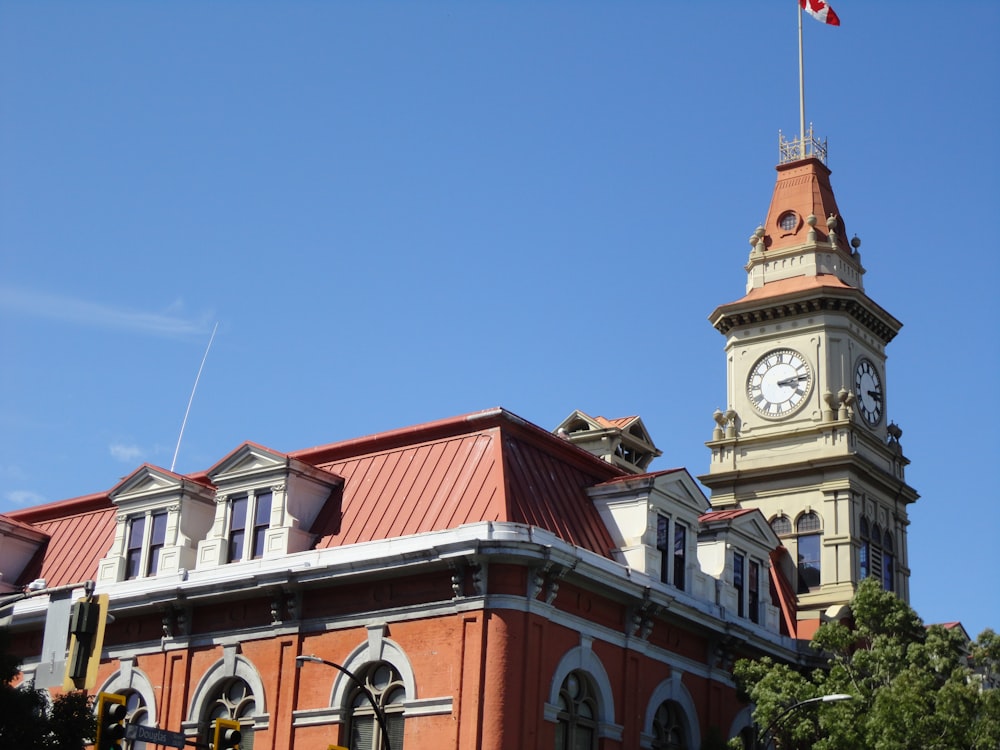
pixel 486 466
pixel 80 533
pixel 724 515
pixel 489 466
pixel 790 286
pixel 620 422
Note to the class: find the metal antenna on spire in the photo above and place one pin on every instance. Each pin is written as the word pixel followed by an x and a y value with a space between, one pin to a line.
pixel 191 399
pixel 807 145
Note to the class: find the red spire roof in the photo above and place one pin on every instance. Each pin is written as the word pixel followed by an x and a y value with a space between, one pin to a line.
pixel 803 189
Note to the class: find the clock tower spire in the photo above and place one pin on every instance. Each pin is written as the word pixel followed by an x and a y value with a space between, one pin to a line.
pixel 805 435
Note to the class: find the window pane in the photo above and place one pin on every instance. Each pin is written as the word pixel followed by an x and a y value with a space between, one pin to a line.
pixel 561 730
pixel 738 563
pixel 662 545
pixel 237 527
pixel 362 732
pixel 158 533
pixel 809 574
pixel 238 513
pixel 781 525
pixel 137 528
pixel 236 546
pixel 262 516
pixel 157 539
pixel 262 519
pixel 808 522
pixel 753 592
pixel 395 724
pixel 133 555
pixel 680 554
pixel 583 738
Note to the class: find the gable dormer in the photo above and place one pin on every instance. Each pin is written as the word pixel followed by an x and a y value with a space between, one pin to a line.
pixel 653 519
pixel 624 442
pixel 161 516
pixel 734 548
pixel 19 543
pixel 265 505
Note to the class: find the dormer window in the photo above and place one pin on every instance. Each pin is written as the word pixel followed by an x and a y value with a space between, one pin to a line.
pixel 142 554
pixel 161 516
pixel 265 505
pixel 746 581
pixel 672 549
pixel 242 508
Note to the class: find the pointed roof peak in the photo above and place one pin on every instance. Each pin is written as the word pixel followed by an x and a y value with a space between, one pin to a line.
pixel 803 207
pixel 804 233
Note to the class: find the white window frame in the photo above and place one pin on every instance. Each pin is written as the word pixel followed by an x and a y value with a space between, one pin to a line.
pixel 252 496
pixel 145 561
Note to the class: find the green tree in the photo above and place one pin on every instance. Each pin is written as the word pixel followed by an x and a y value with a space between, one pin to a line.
pixel 912 687
pixel 27 722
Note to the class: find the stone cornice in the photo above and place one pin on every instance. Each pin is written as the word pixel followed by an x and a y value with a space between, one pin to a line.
pixel 851 302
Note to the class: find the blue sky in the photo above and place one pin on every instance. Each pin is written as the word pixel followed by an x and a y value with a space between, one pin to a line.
pixel 398 212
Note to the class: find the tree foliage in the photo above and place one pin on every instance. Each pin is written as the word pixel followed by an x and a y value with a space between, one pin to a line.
pixel 912 687
pixel 28 722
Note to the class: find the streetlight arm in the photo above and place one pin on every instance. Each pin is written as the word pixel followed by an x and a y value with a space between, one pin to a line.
pixel 379 713
pixel 795 706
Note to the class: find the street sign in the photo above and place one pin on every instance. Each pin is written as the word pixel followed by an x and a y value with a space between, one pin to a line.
pixel 140 733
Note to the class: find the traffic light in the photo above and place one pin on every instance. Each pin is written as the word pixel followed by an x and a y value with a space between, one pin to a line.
pixel 110 721
pixel 227 735
pixel 86 628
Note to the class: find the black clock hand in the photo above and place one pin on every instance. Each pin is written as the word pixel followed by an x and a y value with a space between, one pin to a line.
pixel 875 395
pixel 792 380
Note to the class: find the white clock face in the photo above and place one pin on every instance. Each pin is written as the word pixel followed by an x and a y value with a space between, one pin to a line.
pixel 868 389
pixel 779 383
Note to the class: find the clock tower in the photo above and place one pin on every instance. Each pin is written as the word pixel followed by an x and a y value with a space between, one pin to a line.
pixel 805 436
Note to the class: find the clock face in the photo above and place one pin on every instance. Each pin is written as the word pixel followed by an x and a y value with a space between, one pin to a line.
pixel 868 389
pixel 779 383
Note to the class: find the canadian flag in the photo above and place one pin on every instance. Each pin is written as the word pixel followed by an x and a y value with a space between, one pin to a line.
pixel 820 11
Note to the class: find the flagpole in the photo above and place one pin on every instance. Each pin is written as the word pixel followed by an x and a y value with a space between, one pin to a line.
pixel 802 92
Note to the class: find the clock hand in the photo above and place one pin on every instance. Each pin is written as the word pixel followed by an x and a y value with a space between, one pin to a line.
pixel 792 380
pixel 875 395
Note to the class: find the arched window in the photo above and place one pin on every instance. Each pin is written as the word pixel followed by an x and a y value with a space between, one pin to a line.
pixel 576 727
pixel 670 731
pixel 877 555
pixel 808 528
pixel 781 525
pixel 888 569
pixel 865 552
pixel 232 699
pixel 136 713
pixel 384 684
pixel 140 702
